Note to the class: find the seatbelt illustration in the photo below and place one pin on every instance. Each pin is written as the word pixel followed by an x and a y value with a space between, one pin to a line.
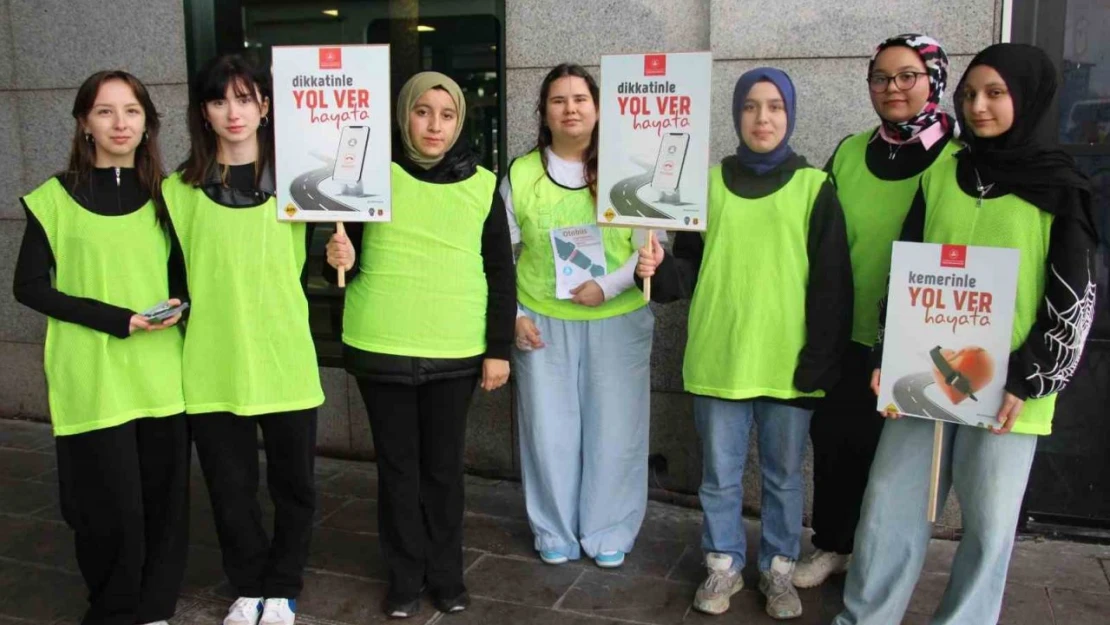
pixel 570 253
pixel 953 378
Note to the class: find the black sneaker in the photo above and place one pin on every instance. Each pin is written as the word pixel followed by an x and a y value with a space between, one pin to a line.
pixel 401 609
pixel 458 603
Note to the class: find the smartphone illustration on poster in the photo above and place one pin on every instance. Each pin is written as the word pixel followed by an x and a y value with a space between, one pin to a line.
pixel 351 154
pixel 669 162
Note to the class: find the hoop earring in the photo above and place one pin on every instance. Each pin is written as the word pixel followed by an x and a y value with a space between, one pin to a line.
pixel 88 138
pixel 207 126
pixel 146 137
pixel 265 121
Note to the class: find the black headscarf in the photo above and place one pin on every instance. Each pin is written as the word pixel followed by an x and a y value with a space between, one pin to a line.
pixel 1019 159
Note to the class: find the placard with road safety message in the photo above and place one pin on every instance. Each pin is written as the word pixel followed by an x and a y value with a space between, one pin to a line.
pixel 653 165
pixel 332 132
pixel 946 345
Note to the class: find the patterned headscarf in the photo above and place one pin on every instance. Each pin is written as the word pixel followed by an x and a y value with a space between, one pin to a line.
pixel 936 65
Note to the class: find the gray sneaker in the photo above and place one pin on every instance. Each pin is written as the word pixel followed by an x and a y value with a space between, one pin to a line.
pixel 777 584
pixel 714 593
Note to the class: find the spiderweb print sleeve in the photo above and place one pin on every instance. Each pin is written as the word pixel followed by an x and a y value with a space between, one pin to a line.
pixel 1071 317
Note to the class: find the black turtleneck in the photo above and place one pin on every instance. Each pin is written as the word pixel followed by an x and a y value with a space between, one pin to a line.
pixel 829 292
pixel 108 191
pixel 497 255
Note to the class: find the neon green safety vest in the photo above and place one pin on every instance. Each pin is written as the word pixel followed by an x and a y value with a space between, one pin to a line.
pixel 874 210
pixel 96 380
pixel 747 323
pixel 541 205
pixel 248 347
pixel 421 288
pixel 952 217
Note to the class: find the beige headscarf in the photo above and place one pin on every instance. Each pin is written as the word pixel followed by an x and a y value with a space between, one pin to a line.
pixel 410 93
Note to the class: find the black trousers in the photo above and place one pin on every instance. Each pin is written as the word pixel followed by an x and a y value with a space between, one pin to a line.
pixel 845 432
pixel 227 446
pixel 419 437
pixel 125 493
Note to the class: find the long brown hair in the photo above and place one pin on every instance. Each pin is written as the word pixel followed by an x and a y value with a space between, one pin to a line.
pixel 543 141
pixel 148 157
pixel 211 83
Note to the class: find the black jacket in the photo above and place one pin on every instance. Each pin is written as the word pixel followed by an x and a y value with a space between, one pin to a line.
pixel 1043 364
pixel 497 260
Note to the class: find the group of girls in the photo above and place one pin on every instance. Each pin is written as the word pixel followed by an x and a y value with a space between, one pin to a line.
pixel 784 329
pixel 129 394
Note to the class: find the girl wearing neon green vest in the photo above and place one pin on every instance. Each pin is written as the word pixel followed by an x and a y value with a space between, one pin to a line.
pixel 582 364
pixel 876 173
pixel 1006 189
pixel 428 314
pixel 97 249
pixel 770 318
pixel 249 360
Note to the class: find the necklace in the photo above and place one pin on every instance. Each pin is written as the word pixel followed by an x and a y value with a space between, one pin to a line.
pixel 983 190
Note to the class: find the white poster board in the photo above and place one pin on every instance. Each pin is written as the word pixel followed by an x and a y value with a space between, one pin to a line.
pixel 653 161
pixel 332 129
pixel 946 346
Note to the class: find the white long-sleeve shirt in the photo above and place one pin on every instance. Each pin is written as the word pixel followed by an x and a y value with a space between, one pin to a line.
pixel 572 174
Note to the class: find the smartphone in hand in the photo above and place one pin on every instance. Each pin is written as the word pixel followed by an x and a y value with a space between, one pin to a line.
pixel 163 311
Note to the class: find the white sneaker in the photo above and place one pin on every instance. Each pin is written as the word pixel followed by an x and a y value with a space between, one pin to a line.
pixel 818 566
pixel 244 611
pixel 279 612
pixel 776 584
pixel 716 591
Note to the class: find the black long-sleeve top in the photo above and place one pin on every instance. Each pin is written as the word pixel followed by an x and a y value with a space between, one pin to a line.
pixel 1045 362
pixel 829 293
pixel 497 263
pixel 887 161
pixel 104 194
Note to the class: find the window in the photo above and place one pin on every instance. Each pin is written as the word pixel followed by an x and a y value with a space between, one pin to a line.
pixel 1071 467
pixel 460 38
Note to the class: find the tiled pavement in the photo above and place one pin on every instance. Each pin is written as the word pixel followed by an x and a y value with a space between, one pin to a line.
pixel 1049 582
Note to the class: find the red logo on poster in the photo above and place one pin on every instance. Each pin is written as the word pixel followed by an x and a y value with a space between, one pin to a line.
pixel 655 65
pixel 953 256
pixel 331 58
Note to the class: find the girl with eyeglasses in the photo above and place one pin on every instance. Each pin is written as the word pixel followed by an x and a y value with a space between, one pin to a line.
pixel 876 174
pixel 1005 189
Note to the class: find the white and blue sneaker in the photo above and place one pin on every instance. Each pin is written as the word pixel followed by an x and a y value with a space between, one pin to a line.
pixel 553 557
pixel 279 612
pixel 610 559
pixel 245 611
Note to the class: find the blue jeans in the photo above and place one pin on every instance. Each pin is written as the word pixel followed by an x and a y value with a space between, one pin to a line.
pixel 989 473
pixel 724 427
pixel 583 408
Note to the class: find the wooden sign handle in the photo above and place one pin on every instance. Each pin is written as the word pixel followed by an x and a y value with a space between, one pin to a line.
pixel 934 474
pixel 342 272
pixel 647 280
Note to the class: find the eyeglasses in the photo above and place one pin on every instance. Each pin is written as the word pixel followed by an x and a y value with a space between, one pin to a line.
pixel 904 81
